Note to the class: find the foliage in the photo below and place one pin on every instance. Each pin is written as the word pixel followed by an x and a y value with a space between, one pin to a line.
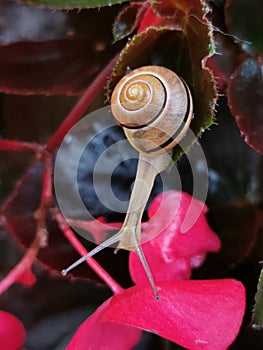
pixel 50 57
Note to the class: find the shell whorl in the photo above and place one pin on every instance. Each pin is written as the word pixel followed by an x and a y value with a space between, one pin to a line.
pixel 154 107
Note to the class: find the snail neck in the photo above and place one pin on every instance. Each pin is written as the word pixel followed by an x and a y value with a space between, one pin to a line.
pixel 148 169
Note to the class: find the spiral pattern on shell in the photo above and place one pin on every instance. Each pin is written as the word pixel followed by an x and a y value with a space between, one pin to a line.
pixel 154 107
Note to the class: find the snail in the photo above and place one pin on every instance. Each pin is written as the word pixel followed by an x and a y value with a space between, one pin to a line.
pixel 154 106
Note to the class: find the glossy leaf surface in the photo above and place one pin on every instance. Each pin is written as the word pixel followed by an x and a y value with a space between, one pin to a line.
pixel 245 96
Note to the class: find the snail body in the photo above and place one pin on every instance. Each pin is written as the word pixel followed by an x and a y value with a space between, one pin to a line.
pixel 154 107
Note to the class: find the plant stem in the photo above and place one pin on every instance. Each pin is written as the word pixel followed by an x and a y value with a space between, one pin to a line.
pixel 47 182
pixel 99 228
pixel 25 264
pixel 20 146
pixel 94 88
pixel 46 200
pixel 92 263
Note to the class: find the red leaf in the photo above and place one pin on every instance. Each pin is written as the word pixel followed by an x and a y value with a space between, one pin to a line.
pixel 244 21
pixel 12 332
pixel 194 314
pixel 237 227
pixel 149 19
pixel 128 19
pixel 178 8
pixel 43 51
pixel 95 334
pixel 245 101
pixel 19 209
pixel 182 44
pixel 172 254
pixel 225 61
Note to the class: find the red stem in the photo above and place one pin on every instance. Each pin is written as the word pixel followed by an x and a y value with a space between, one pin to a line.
pixel 47 183
pixel 20 146
pixel 46 200
pixel 94 88
pixel 91 262
pixel 20 268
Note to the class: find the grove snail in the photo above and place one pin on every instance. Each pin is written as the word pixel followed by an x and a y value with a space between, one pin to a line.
pixel 154 107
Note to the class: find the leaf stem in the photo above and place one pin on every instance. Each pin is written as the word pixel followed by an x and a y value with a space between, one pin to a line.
pixel 75 114
pixel 92 263
pixel 47 182
pixel 25 264
pixel 20 146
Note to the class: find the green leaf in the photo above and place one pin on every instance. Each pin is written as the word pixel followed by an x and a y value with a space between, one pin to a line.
pixel 257 319
pixel 72 4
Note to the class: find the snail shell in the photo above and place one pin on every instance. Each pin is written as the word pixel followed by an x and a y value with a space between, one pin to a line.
pixel 154 106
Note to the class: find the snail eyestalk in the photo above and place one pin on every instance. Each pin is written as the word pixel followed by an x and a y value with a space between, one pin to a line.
pixel 105 244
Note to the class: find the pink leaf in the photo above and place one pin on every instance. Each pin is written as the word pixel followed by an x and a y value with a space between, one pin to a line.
pixel 194 314
pixel 12 332
pixel 27 278
pixel 94 334
pixel 171 253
